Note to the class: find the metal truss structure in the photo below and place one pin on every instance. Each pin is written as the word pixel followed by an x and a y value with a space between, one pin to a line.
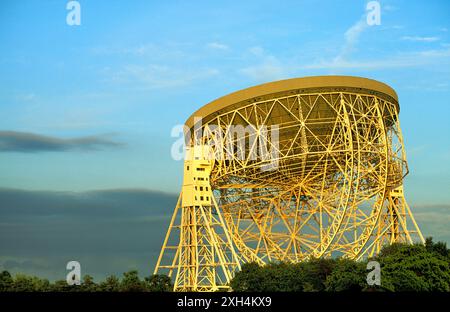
pixel 328 182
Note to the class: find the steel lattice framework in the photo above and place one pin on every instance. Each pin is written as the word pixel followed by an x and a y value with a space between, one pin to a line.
pixel 330 183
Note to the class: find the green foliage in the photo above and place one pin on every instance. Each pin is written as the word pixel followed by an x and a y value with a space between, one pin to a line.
pixel 347 275
pixel 88 285
pixel 415 267
pixel 41 285
pixel 158 283
pixel 248 279
pixel 23 283
pixel 305 276
pixel 62 286
pixel 403 268
pixel 272 277
pixel 111 284
pixel 439 248
pixel 6 281
pixel 314 273
pixel 131 282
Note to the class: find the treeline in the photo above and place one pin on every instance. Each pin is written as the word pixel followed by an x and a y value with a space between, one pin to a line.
pixel 130 282
pixel 403 268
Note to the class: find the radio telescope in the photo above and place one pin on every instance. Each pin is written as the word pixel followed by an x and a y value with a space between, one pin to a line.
pixel 287 171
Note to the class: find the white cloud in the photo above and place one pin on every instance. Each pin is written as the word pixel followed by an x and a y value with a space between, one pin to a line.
pixel 257 51
pixel 163 51
pixel 340 61
pixel 405 59
pixel 218 46
pixel 389 8
pixel 155 76
pixel 151 66
pixel 269 70
pixel 26 97
pixel 269 67
pixel 420 39
pixel 351 39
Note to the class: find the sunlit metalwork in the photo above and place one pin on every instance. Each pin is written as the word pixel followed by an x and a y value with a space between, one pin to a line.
pixel 331 186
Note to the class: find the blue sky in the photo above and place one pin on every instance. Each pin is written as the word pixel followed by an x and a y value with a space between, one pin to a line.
pixel 96 103
pixel 130 72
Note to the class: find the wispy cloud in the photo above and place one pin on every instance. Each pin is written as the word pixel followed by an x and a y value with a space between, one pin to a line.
pixel 420 39
pixel 389 8
pixel 268 68
pixel 140 50
pixel 12 141
pixel 154 76
pixel 399 60
pixel 26 97
pixel 362 65
pixel 351 39
pixel 217 46
pixel 344 59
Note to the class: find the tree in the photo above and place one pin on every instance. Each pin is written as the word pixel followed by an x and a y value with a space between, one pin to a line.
pixel 158 282
pixel 415 267
pixel 131 282
pixel 403 281
pixel 304 276
pixel 88 284
pixel 22 283
pixel 314 272
pixel 347 275
pixel 250 278
pixel 277 277
pixel 62 286
pixel 6 281
pixel 41 285
pixel 440 248
pixel 111 284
